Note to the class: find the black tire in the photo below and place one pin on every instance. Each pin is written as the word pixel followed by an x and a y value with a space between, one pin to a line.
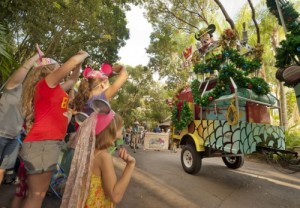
pixel 191 160
pixel 233 162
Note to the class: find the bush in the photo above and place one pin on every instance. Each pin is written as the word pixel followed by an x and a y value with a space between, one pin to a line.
pixel 292 138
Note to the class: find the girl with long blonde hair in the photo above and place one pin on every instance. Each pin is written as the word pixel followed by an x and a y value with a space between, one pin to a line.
pixel 45 106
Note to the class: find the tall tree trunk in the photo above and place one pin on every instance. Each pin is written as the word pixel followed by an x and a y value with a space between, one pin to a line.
pixel 284 120
pixel 283 109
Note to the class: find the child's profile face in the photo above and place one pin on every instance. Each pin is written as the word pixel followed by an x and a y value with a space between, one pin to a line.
pixel 119 133
pixel 105 84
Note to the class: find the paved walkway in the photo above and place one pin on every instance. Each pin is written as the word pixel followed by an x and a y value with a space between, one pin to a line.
pixel 7 194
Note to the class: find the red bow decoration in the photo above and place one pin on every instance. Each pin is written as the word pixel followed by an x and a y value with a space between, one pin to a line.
pixel 187 52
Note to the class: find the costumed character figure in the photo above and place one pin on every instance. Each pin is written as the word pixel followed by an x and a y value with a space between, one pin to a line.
pixel 207 47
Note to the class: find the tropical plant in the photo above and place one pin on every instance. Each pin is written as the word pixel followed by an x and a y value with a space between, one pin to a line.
pixel 6 60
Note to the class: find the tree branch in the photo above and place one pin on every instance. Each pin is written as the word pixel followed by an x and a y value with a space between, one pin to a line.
pixel 180 19
pixel 228 19
pixel 254 20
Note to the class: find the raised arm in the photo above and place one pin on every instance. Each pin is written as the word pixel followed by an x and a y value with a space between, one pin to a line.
pixel 19 75
pixel 117 84
pixel 72 79
pixel 113 187
pixel 54 78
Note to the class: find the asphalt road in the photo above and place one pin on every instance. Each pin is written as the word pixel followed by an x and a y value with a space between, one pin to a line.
pixel 160 182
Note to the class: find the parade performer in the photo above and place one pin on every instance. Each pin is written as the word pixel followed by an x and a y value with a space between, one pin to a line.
pixel 45 106
pixel 92 181
pixel 208 47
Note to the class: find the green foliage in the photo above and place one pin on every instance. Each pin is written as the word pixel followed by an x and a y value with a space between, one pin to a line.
pixel 229 54
pixel 289 51
pixel 292 138
pixel 229 64
pixel 291 100
pixel 183 118
pixel 64 27
pixel 290 15
pixel 175 23
pixel 6 60
pixel 141 98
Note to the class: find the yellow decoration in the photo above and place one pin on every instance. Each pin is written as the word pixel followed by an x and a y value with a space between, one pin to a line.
pixel 232 114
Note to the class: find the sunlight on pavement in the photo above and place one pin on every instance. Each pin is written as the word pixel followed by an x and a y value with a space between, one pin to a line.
pixel 157 186
pixel 278 182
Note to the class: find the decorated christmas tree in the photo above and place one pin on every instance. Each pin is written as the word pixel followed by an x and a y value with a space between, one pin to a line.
pixel 229 63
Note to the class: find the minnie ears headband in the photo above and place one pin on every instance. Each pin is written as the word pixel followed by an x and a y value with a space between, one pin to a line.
pixel 104 115
pixel 104 72
pixel 43 61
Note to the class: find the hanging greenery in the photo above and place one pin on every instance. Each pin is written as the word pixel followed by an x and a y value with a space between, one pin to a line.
pixel 196 91
pixel 229 64
pixel 290 15
pixel 185 116
pixel 289 51
pixel 230 54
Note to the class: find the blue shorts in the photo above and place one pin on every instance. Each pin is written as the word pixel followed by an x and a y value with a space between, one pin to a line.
pixel 9 150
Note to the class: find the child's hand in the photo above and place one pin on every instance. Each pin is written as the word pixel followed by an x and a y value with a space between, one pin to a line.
pixel 125 156
pixel 117 68
pixel 81 52
pixel 40 52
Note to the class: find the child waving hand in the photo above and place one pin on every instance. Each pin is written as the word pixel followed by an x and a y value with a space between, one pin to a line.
pixel 92 181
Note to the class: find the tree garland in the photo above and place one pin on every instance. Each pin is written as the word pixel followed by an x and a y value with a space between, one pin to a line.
pixel 290 15
pixel 227 54
pixel 289 51
pixel 185 116
pixel 290 48
pixel 229 64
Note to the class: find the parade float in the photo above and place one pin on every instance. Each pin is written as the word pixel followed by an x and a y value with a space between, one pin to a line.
pixel 226 109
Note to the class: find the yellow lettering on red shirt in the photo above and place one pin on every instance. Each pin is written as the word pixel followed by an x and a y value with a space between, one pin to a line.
pixel 65 103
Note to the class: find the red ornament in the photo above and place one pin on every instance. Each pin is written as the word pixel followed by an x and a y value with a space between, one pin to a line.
pixel 250 86
pixel 211 98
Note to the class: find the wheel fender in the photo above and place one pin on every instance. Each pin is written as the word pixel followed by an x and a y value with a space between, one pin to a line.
pixel 199 142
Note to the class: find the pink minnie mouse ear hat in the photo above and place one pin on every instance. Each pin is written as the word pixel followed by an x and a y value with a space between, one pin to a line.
pixel 88 72
pixel 106 69
pixel 44 61
pixel 96 74
pixel 105 114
